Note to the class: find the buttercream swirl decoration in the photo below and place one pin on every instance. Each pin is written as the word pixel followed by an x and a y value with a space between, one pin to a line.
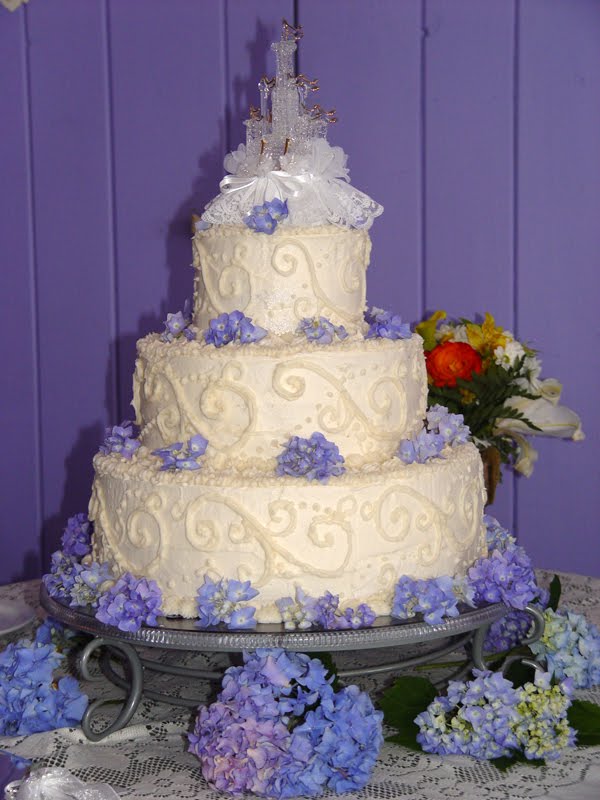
pixel 315 184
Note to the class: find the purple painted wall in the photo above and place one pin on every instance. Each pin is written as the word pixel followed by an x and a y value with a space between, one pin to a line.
pixel 477 125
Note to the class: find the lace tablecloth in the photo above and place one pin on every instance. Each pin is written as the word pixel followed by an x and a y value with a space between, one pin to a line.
pixel 149 760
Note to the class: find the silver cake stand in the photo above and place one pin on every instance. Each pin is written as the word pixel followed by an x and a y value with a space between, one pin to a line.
pixel 129 659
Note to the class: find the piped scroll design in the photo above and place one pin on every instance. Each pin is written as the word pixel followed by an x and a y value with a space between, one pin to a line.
pixel 328 531
pixel 226 288
pixel 333 418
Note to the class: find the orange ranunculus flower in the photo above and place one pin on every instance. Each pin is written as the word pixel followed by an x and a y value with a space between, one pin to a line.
pixel 452 360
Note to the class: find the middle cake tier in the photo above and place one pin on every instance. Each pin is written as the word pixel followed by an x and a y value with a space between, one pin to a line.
pixel 365 395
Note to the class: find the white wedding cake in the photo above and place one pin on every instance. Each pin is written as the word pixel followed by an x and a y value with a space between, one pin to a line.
pixel 285 243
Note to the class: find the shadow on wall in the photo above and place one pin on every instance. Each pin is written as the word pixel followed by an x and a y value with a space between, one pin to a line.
pixel 178 255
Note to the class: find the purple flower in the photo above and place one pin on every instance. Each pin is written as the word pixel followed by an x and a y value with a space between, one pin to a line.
pixel 233 327
pixel 244 743
pixel 504 577
pixel 385 325
pixel 224 601
pixel 498 538
pixel 315 458
pixel 264 218
pixel 31 700
pixel 477 718
pixel 435 598
pixel 450 427
pixel 178 325
pixel 321 330
pixel 87 584
pixel 508 632
pixel 119 439
pixel 571 647
pixel 421 448
pixel 300 613
pixel 61 578
pixel 130 603
pixel 179 457
pixel 76 538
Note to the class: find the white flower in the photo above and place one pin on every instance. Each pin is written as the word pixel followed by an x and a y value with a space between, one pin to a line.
pixel 506 356
pixel 551 418
pixel 454 333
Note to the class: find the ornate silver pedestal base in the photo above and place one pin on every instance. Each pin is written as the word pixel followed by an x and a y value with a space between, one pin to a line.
pixel 127 659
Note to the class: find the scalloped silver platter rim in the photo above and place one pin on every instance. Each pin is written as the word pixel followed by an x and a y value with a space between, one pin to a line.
pixel 183 634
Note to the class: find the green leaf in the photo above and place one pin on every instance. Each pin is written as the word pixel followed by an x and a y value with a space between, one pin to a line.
pixel 555 593
pixel 504 763
pixel 404 701
pixel 585 718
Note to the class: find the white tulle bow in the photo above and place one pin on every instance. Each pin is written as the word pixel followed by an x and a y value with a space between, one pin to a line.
pixel 58 784
pixel 314 184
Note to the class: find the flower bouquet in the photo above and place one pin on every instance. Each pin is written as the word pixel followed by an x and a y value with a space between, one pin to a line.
pixel 481 371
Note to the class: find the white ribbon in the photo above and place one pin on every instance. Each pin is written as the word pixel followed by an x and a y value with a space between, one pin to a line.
pixel 58 784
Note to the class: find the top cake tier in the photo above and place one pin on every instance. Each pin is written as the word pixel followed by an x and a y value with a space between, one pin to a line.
pixel 282 278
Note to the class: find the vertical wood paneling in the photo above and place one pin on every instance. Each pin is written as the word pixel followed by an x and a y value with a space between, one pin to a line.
pixel 20 472
pixel 69 145
pixel 558 265
pixel 468 144
pixel 367 59
pixel 169 141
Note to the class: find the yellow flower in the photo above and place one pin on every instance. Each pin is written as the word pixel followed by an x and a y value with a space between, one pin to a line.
pixel 426 329
pixel 487 336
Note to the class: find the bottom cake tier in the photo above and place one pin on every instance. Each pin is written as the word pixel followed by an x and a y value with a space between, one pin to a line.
pixel 353 536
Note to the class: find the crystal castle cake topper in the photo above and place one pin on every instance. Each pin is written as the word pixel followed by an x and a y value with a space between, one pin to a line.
pixel 287 156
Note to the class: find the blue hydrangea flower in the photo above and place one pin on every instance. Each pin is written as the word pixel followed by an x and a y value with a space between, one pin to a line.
pixel 88 583
pixel 498 538
pixel 571 647
pixel 244 743
pixel 449 426
pixel 178 325
pixel 61 578
pixel 179 457
pixel 315 458
pixel 543 729
pixel 265 218
pixel 31 699
pixel 233 327
pixel 321 330
pixel 119 439
pixel 299 613
pixel 435 598
pixel 385 325
pixel 504 577
pixel 76 538
pixel 476 718
pixel 130 603
pixel 225 601
pixel 507 632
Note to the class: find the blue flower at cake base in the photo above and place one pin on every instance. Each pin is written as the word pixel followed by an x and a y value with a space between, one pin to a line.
pixel 435 598
pixel 178 325
pixel 225 602
pixel 321 330
pixel 278 729
pixel 265 218
pixel 442 430
pixel 314 458
pixel 385 325
pixel 119 439
pixel 77 583
pixel 76 538
pixel 130 603
pixel 179 457
pixel 233 327
pixel 304 611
